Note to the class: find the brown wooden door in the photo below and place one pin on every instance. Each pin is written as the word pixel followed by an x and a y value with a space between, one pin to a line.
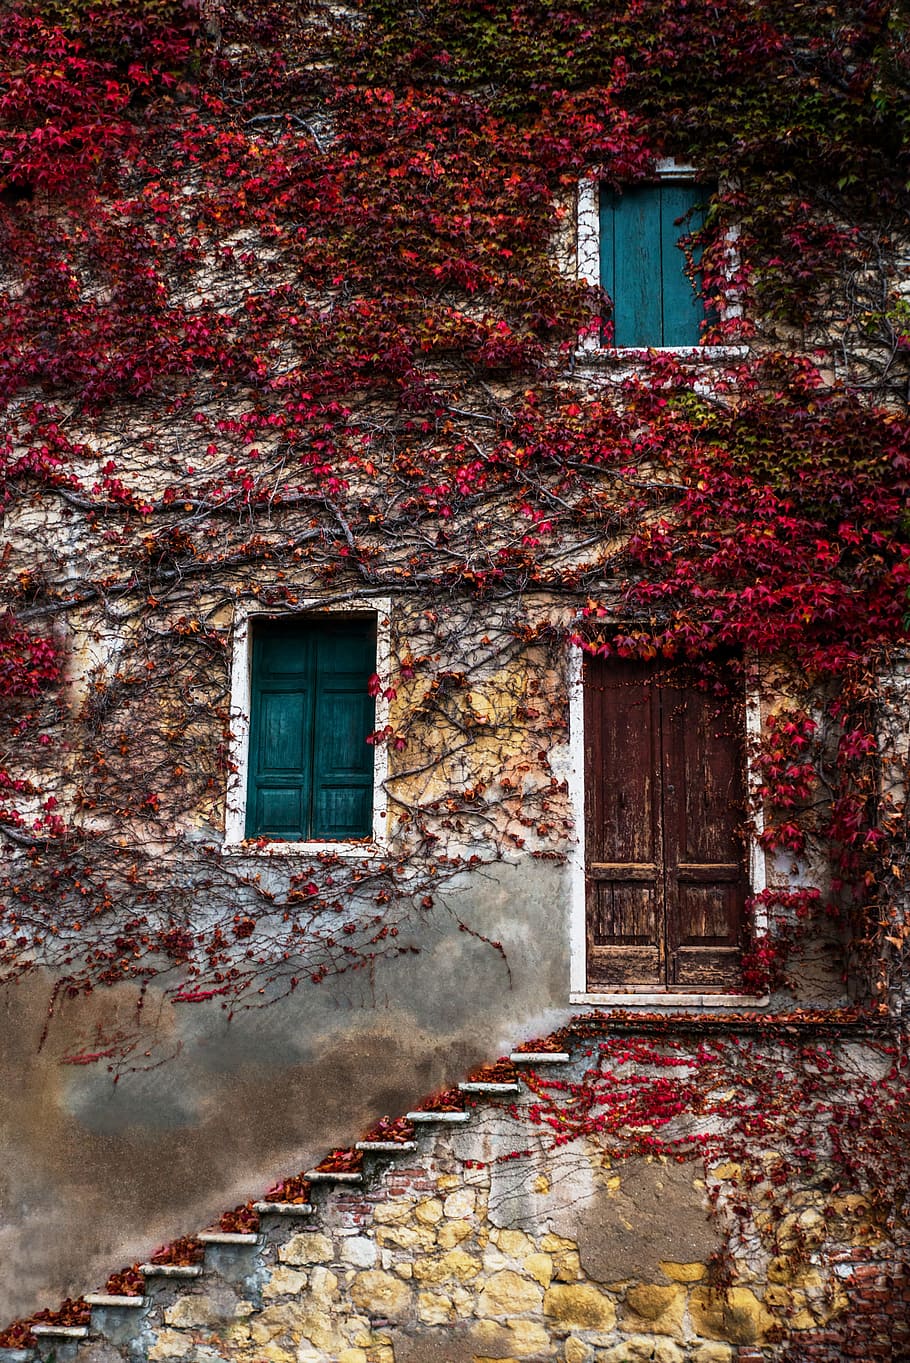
pixel 664 810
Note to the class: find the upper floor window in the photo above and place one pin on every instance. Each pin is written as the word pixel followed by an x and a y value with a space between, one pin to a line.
pixel 643 263
pixel 635 244
pixel 310 770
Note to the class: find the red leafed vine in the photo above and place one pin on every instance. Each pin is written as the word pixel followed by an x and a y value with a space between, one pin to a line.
pixel 291 313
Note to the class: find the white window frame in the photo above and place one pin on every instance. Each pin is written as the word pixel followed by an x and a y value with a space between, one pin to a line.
pixel 578 944
pixel 588 268
pixel 235 841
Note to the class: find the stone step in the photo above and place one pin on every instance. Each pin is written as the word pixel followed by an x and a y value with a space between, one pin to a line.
pixel 330 1176
pixel 61 1331
pixel 452 1118
pixel 488 1086
pixel 171 1270
pixel 228 1237
pixel 106 1299
pixel 385 1147
pixel 284 1208
pixel 540 1057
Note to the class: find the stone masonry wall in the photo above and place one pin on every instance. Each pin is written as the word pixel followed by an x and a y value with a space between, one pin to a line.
pixel 490 1238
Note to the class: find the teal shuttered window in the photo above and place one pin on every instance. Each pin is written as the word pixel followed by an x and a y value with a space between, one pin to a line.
pixel 310 767
pixel 642 267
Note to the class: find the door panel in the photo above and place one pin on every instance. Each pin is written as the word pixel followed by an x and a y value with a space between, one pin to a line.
pixel 665 804
pixel 623 833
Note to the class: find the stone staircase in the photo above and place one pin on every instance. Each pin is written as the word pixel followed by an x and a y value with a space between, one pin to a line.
pixel 471 1230
pixel 238 1263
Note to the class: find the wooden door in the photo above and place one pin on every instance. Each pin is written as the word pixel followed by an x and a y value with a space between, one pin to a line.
pixel 664 811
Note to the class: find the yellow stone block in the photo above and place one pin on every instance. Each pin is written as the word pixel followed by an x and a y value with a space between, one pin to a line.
pixel 540 1267
pixel 323 1286
pixel 576 1350
pixel 168 1344
pixel 784 1270
pixel 460 1204
pixel 727 1171
pixel 386 1213
pixel 405 1237
pixel 523 1338
pixel 650 1306
pixel 735 1315
pixel 289 1319
pixel 274 1353
pixel 514 1243
pixel 429 1211
pixel 642 1349
pixel 713 1353
pixel 453 1232
pixel 284 1282
pixel 352 1356
pixel 192 1313
pixel 309 1247
pixel 434 1308
pixel 683 1273
pixel 380 1294
pixel 508 1294
pixel 566 1266
pixel 580 1305
pixel 456 1264
pixel 446 1182
pixel 553 1243
pixel 650 1300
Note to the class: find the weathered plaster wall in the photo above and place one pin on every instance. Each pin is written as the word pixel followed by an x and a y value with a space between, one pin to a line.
pixel 98 1172
pixel 463 1252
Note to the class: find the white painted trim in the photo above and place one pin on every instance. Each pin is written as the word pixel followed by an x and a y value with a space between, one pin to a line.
pixel 235 809
pixel 658 1000
pixel 587 264
pixel 575 779
pixel 758 865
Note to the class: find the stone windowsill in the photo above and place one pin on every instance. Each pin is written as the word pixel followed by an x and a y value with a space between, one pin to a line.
pixel 279 848
pixel 597 354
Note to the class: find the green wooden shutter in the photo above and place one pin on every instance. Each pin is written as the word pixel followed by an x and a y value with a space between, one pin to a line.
pixel 683 310
pixel 345 713
pixel 310 766
pixel 642 268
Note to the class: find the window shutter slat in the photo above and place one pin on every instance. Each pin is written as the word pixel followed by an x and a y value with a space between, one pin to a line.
pixel 683 310
pixel 345 715
pixel 636 256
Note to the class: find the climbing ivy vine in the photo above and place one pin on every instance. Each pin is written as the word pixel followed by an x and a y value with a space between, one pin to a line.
pixel 292 312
